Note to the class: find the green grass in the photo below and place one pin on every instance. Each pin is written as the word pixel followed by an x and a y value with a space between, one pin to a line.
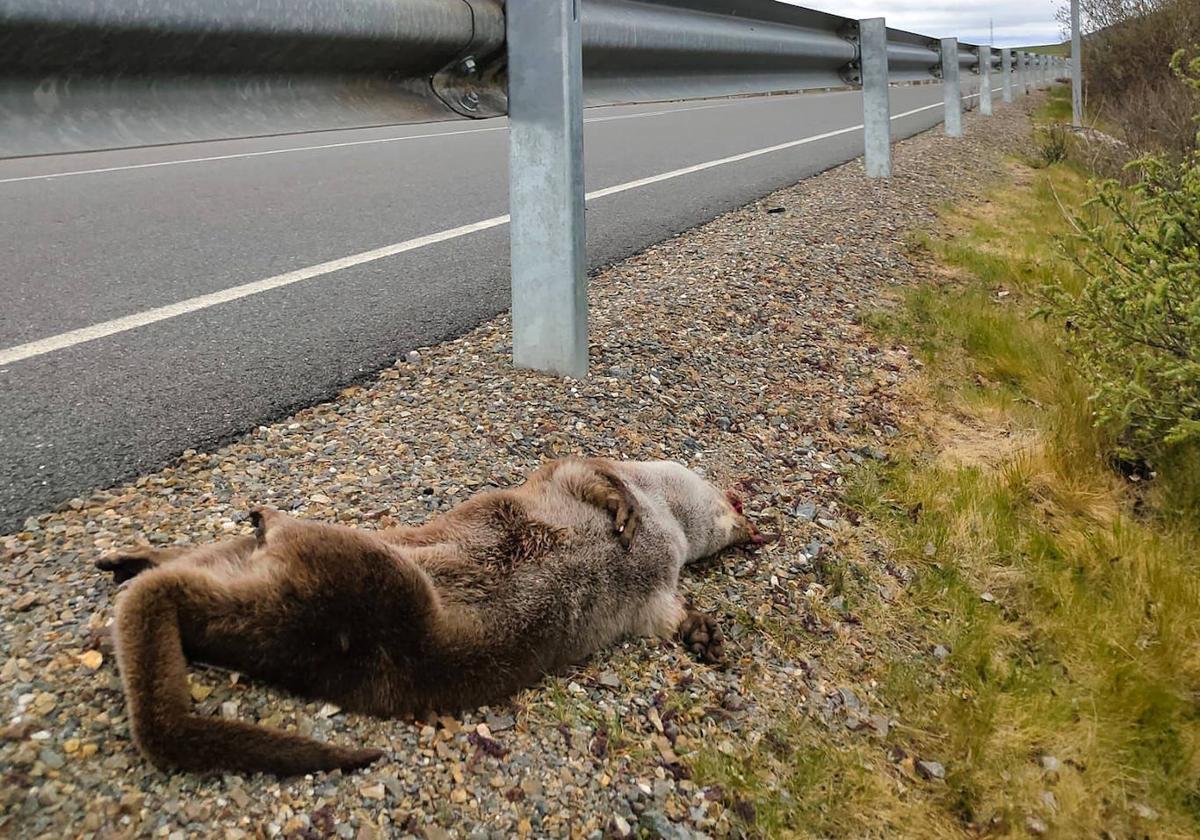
pixel 1063 49
pixel 1058 104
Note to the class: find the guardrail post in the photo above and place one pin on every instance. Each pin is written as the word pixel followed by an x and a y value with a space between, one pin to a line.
pixel 877 106
pixel 546 194
pixel 1024 74
pixel 985 81
pixel 951 89
pixel 1006 74
pixel 1076 67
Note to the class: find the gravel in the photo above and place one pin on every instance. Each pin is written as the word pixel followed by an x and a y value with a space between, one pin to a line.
pixel 734 347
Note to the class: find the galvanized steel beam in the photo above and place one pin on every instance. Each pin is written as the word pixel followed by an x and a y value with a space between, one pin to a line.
pixel 546 198
pixel 951 89
pixel 877 109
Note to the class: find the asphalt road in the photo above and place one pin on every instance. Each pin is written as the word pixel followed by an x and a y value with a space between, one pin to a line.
pixel 88 239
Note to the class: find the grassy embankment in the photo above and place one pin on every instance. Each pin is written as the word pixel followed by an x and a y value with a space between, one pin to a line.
pixel 1066 596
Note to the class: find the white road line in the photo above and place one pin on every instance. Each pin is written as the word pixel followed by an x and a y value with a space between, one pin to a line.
pixel 104 329
pixel 324 146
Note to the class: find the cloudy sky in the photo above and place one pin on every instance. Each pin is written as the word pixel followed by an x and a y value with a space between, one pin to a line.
pixel 1018 23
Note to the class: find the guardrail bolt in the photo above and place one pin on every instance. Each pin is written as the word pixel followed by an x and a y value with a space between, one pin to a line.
pixel 468 66
pixel 470 100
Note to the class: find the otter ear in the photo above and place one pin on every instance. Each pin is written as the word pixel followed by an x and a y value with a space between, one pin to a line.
pixel 263 519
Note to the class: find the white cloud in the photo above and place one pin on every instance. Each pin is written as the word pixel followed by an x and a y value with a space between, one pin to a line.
pixel 1017 23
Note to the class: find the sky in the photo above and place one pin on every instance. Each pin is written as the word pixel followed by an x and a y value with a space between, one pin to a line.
pixel 1018 23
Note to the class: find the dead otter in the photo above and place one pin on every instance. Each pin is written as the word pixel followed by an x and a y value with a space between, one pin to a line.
pixel 461 611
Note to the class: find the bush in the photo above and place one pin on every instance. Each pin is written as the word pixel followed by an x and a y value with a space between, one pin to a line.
pixel 1134 327
pixel 1053 142
pixel 1128 83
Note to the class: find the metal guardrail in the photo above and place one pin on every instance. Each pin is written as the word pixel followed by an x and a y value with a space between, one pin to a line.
pixel 84 75
pixel 81 75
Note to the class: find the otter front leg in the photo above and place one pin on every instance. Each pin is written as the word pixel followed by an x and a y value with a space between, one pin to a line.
pixel 702 636
pixel 667 615
pixel 592 481
pixel 607 492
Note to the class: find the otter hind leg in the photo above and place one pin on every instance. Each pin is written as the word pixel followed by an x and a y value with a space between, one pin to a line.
pixel 153 616
pixel 131 562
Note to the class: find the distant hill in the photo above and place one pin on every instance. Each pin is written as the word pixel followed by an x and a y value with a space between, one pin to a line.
pixel 1063 49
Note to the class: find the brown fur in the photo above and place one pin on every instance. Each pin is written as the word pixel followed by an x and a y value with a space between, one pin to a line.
pixel 463 610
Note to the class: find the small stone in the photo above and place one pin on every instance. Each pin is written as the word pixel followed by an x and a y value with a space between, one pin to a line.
pixel 376 791
pixel 239 797
pixel 656 824
pixel 229 709
pixel 621 826
pixel 1050 801
pixel 931 770
pixel 849 699
pixel 500 723
pixel 609 680
pixel 1145 811
pixel 44 703
pixel 805 511
pixel 25 602
pixel 940 652
pixel 51 759
pixel 328 710
pixel 412 357
pixel 458 796
pixel 92 660
pixel 988 598
pixel 1049 763
pixel 930 549
pixel 881 725
pixel 71 746
pixel 1034 825
pixel 200 692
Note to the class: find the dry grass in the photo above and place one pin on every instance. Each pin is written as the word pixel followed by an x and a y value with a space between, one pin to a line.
pixel 1071 613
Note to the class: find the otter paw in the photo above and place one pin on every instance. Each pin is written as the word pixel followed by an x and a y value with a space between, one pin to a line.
pixel 702 636
pixel 351 759
pixel 626 518
pixel 126 565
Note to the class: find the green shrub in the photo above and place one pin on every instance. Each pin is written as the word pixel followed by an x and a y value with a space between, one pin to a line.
pixel 1134 328
pixel 1054 142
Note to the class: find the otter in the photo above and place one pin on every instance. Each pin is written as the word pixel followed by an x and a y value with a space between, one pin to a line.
pixel 464 610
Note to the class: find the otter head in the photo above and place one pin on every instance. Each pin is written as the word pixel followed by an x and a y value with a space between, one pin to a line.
pixel 712 519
